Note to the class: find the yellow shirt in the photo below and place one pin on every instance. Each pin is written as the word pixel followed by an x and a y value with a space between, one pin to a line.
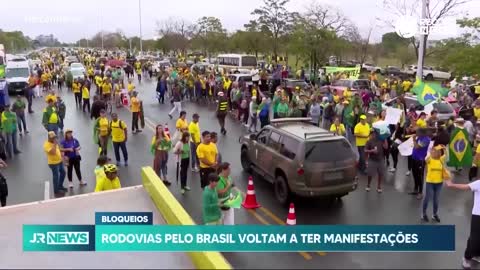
pixel 104 184
pixel 135 106
pixel 99 80
pixel 118 131
pixel 85 93
pixel 130 87
pixel 103 126
pixel 55 158
pixel 340 130
pixel 421 123
pixel 194 130
pixel 476 113
pixel 364 131
pixel 347 94
pixel 406 85
pixel 336 98
pixel 44 77
pixel 76 87
pixel 181 124
pixel 117 88
pixel 434 170
pixel 106 88
pixel 208 152
pixel 254 92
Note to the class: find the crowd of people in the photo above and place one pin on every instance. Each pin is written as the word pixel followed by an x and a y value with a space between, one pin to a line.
pixel 350 113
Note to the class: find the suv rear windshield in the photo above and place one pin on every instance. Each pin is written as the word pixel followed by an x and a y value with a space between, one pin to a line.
pixel 443 108
pixel 328 151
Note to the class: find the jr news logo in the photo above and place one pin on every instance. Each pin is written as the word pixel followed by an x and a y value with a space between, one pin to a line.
pixel 61 238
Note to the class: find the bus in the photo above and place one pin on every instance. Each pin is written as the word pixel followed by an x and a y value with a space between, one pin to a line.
pixel 236 63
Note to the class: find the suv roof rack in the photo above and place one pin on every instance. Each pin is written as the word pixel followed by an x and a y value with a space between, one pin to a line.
pixel 318 134
pixel 286 120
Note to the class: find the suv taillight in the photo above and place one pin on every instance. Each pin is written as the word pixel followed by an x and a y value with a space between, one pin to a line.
pixel 300 171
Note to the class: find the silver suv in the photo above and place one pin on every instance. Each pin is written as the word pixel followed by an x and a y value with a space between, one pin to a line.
pixel 300 159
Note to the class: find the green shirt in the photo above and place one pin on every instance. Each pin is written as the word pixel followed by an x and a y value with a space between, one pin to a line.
pixel 19 107
pixel 185 151
pixel 282 109
pixel 211 211
pixel 222 183
pixel 9 122
pixel 276 101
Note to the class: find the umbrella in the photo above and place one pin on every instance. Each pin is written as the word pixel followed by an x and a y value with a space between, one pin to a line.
pixel 115 63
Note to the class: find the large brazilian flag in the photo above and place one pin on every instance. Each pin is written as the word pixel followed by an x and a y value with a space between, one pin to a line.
pixel 460 150
pixel 2 71
pixel 428 92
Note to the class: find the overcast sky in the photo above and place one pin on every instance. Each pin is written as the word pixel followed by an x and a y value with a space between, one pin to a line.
pixel 72 20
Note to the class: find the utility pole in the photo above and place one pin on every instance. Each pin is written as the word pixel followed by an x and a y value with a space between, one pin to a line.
pixel 87 42
pixel 130 45
pixel 102 40
pixel 421 48
pixel 140 24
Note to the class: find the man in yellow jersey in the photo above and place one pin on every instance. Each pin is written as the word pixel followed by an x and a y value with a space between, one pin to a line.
pixel 99 83
pixel 102 132
pixel 77 92
pixel 50 118
pixel 118 130
pixel 207 155
pixel 86 98
pixel 222 110
pixel 110 181
pixel 55 162
pixel 135 109
pixel 362 134
pixel 107 89
pixel 194 130
pixel 130 86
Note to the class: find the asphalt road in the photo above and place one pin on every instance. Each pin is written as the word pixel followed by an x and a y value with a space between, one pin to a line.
pixel 28 172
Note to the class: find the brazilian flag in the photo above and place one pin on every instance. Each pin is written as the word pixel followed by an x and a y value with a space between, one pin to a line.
pixel 2 71
pixel 428 92
pixel 460 150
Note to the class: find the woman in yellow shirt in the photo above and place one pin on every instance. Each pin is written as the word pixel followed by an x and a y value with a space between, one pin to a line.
pixel 337 128
pixel 77 91
pixel 110 181
pixel 130 86
pixel 55 162
pixel 182 124
pixel 102 132
pixel 436 173
pixel 421 123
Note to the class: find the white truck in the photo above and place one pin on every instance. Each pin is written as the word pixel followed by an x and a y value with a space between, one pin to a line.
pixel 429 73
pixel 17 73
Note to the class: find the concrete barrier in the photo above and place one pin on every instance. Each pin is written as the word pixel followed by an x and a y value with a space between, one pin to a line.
pixel 173 213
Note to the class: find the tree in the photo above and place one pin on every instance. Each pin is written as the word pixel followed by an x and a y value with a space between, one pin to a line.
pixel 276 19
pixel 14 41
pixel 175 35
pixel 210 36
pixel 250 40
pixel 405 54
pixel 391 41
pixel 437 10
pixel 473 25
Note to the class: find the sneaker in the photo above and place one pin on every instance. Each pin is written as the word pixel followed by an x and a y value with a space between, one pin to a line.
pixel 477 259
pixel 379 190
pixel 419 196
pixel 424 218
pixel 367 189
pixel 118 163
pixel 26 131
pixel 408 173
pixel 138 131
pixel 197 169
pixel 436 218
pixel 245 125
pixel 82 183
pixel 20 133
pixel 466 264
pixel 167 183
pixel 125 163
pixel 413 193
pixel 392 170
pixel 170 116
pixel 193 169
pixel 187 188
pixel 70 184
pixel 182 191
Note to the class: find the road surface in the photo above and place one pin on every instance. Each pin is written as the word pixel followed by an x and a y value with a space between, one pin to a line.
pixel 28 172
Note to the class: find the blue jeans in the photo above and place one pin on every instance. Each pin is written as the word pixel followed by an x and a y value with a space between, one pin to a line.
pixel 193 155
pixel 53 127
pixel 361 158
pixel 163 167
pixel 58 173
pixel 21 122
pixel 11 143
pixel 432 192
pixel 116 147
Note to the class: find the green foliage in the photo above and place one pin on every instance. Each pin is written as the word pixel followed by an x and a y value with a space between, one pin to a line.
pixel 210 36
pixel 392 41
pixel 14 41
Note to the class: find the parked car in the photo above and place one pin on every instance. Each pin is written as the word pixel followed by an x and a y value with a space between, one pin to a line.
pixel 291 84
pixel 395 71
pixel 158 65
pixel 370 67
pixel 77 66
pixel 343 84
pixel 444 109
pixel 429 73
pixel 241 77
pixel 300 159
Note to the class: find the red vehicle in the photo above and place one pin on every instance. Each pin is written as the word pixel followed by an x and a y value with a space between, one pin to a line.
pixel 354 85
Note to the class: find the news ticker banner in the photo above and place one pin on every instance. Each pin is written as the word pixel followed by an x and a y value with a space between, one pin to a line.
pixel 135 232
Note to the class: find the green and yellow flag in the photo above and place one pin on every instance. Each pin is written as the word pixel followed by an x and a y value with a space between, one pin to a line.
pixel 428 92
pixel 2 71
pixel 460 149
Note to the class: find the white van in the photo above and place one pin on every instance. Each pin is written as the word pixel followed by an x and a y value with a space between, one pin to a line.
pixel 16 75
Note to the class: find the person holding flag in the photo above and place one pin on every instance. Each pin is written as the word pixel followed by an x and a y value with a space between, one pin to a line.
pixel 460 149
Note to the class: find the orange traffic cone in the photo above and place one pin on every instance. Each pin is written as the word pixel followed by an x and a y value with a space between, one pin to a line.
pixel 250 200
pixel 291 218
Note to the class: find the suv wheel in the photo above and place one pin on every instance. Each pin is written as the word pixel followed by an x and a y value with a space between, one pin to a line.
pixel 282 192
pixel 245 160
pixel 429 77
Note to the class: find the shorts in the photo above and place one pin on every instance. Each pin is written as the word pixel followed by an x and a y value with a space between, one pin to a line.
pixel 375 168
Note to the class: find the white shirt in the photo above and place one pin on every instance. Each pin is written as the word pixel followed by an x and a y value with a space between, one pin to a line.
pixel 475 187
pixel 255 75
